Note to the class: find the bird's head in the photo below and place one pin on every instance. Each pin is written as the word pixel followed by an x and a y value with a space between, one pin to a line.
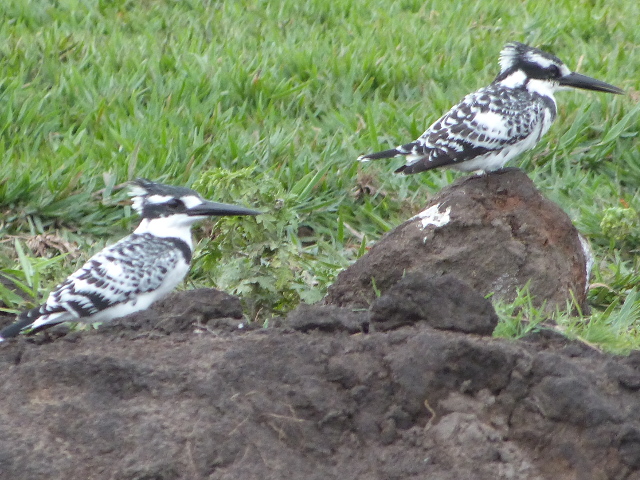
pixel 177 206
pixel 520 63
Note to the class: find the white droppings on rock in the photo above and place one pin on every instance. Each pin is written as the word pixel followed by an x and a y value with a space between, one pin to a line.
pixel 433 216
pixel 589 259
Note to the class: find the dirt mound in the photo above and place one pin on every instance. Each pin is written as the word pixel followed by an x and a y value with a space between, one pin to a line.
pixel 497 233
pixel 205 399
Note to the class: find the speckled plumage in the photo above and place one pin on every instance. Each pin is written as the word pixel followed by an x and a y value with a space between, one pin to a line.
pixel 133 273
pixel 480 127
pixel 117 276
pixel 495 124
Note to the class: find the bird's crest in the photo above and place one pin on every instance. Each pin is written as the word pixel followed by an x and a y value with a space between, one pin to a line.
pixel 141 189
pixel 516 53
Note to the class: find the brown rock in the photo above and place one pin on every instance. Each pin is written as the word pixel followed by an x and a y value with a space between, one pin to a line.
pixel 327 319
pixel 495 232
pixel 206 308
pixel 445 303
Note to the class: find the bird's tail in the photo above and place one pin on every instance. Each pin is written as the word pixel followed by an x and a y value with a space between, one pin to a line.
pixel 13 330
pixel 378 155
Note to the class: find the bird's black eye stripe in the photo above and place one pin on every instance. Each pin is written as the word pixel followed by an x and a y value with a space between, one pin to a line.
pixel 175 204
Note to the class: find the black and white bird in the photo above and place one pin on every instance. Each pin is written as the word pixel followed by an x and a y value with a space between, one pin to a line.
pixel 499 122
pixel 136 271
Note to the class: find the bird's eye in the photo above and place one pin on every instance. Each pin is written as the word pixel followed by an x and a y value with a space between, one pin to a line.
pixel 175 204
pixel 555 71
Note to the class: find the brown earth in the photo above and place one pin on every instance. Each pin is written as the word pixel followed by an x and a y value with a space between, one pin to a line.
pixel 497 233
pixel 181 392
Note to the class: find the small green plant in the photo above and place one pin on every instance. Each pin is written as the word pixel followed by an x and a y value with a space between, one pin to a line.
pixel 376 290
pixel 520 317
pixel 613 277
pixel 620 224
pixel 264 259
pixel 614 329
pixel 29 279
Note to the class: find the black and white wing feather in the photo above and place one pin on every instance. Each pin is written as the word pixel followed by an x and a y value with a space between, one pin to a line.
pixel 476 134
pixel 123 278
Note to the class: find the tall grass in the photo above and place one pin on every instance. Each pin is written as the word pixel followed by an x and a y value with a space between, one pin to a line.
pixel 94 93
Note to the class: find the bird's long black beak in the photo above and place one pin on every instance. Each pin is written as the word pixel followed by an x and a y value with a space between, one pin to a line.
pixel 209 209
pixel 577 80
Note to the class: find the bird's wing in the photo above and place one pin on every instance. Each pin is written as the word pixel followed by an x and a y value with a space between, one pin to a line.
pixel 135 265
pixel 484 121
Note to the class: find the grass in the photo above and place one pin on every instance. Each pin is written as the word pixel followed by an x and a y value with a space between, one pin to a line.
pixel 269 103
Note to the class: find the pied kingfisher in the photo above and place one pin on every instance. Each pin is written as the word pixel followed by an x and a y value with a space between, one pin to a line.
pixel 495 124
pixel 136 271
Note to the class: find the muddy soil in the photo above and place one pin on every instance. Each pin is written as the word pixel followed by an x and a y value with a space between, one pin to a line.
pixel 186 391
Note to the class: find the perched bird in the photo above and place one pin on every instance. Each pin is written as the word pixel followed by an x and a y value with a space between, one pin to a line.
pixel 136 271
pixel 495 124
